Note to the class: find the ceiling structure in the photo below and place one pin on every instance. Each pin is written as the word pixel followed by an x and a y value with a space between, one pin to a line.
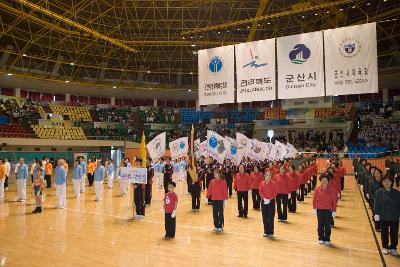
pixel 140 46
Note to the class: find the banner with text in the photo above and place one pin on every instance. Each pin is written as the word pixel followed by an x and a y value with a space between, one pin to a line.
pixel 351 62
pixel 216 75
pixel 255 68
pixel 179 147
pixel 134 175
pixel 300 66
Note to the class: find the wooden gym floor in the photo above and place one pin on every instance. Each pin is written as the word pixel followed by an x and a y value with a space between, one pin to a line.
pixel 88 233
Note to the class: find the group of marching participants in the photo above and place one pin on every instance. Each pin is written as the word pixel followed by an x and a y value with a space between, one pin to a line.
pixel 273 185
pixel 383 200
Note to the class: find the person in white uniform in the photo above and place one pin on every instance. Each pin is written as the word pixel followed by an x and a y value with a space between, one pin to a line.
pixel 83 165
pixel 77 177
pixel 110 173
pixel 21 175
pixel 61 185
pixel 99 173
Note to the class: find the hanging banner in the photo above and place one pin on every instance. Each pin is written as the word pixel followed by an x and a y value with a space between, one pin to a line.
pixel 179 148
pixel 203 149
pixel 216 75
pixel 268 150
pixel 255 70
pixel 351 61
pixel 232 151
pixel 241 140
pixel 217 146
pixel 300 66
pixel 156 147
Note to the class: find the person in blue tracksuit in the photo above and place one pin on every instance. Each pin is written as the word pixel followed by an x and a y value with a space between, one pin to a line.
pixel 22 175
pixel 99 174
pixel 110 174
pixel 61 184
pixel 77 177
pixel 83 165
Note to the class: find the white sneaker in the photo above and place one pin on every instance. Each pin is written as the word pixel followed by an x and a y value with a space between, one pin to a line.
pixel 265 235
pixel 271 237
pixel 215 229
pixel 394 252
pixel 147 205
pixel 140 217
pixel 385 251
pixel 321 242
pixel 327 243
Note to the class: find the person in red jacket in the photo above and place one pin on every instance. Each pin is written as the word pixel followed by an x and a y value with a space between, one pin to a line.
pixel 217 192
pixel 324 205
pixel 294 184
pixel 256 178
pixel 268 195
pixel 302 181
pixel 282 182
pixel 242 185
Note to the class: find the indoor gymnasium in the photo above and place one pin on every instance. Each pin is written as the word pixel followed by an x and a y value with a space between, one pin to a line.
pixel 199 133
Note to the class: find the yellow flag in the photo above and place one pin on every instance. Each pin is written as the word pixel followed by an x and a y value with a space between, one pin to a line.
pixel 143 150
pixel 192 167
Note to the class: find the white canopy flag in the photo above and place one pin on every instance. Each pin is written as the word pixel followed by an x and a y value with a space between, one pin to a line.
pixel 216 75
pixel 156 147
pixel 273 154
pixel 179 147
pixel 255 68
pixel 232 152
pixel 268 150
pixel 300 66
pixel 241 140
pixel 292 151
pixel 280 150
pixel 203 149
pixel 196 148
pixel 217 146
pixel 255 149
pixel 351 62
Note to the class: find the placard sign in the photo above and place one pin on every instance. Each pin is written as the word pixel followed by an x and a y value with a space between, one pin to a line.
pixel 134 175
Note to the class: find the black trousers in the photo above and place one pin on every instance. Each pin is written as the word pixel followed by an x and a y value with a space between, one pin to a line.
pixel 6 182
pixel 342 183
pixel 188 182
pixel 47 177
pixel 243 196
pixel 309 186
pixel 324 224
pixel 255 195
pixel 208 180
pixel 32 178
pixel 229 183
pixel 195 192
pixel 282 205
pixel 292 201
pixel 138 198
pixel 218 213
pixel 170 225
pixel 90 178
pixel 300 196
pixel 314 181
pixel 268 215
pixel 390 229
pixel 148 194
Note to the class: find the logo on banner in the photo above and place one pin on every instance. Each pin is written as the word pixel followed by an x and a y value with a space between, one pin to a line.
pixel 215 65
pixel 299 54
pixel 256 148
pixel 253 62
pixel 233 150
pixel 349 47
pixel 157 145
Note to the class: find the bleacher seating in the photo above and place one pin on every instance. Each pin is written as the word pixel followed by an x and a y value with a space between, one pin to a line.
pixel 12 130
pixel 191 116
pixel 333 112
pixel 65 133
pixel 274 113
pixel 75 113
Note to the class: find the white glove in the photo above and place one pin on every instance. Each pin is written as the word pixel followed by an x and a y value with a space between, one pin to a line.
pixel 173 215
pixel 376 218
pixel 289 196
pixel 362 187
pixel 206 201
pixel 266 201
pixel 333 214
pixel 367 195
pixel 225 202
pixel 249 191
pixel 315 211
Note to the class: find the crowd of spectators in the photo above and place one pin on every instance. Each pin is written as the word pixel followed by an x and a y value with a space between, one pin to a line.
pixel 380 134
pixel 157 115
pixel 377 110
pixel 19 110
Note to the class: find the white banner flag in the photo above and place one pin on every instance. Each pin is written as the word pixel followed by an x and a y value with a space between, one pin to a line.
pixel 255 149
pixel 351 62
pixel 280 150
pixel 273 154
pixel 156 146
pixel 179 147
pixel 300 66
pixel 241 140
pixel 232 152
pixel 255 68
pixel 217 146
pixel 268 150
pixel 216 75
pixel 197 148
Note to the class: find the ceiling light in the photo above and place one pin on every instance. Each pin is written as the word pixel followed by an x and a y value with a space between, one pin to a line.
pixel 148 71
pixel 327 12
pixel 238 29
pixel 219 32
pixel 303 17
pixel 189 90
pixel 67 81
pixel 341 9
pixel 191 73
pixel 114 87
pixel 368 4
pixel 316 14
pixel 9 74
pixel 353 7
pixel 248 27
pixel 192 45
pixel 72 63
pixel 200 36
pixel 191 37
pixel 269 23
pixel 24 55
pixel 259 25
pixel 183 38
